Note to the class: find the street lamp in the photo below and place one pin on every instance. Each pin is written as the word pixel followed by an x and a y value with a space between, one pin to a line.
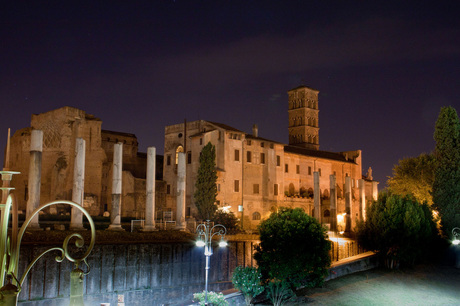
pixel 456 235
pixel 204 239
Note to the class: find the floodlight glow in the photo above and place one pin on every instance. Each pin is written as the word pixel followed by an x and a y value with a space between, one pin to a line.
pixel 200 243
pixel 223 243
pixel 456 242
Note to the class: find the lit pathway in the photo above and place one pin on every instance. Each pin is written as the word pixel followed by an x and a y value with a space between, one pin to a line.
pixel 425 285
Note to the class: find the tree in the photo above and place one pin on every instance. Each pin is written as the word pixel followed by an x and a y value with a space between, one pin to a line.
pixel 227 219
pixel 414 176
pixel 205 186
pixel 293 248
pixel 446 186
pixel 399 228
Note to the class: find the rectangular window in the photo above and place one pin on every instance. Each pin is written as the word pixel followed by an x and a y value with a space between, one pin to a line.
pixel 335 173
pixel 256 188
pixel 189 157
pixel 168 189
pixel 286 168
pixel 237 155
pixel 309 170
pixel 236 187
pixel 218 187
pixel 262 158
pixel 297 169
pixel 271 146
pixel 262 144
pixel 278 160
pixel 201 141
pixel 319 171
pixel 248 142
pixel 275 189
pixel 249 156
pixel 168 160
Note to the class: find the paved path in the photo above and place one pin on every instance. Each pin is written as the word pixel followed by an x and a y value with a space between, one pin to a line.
pixel 423 285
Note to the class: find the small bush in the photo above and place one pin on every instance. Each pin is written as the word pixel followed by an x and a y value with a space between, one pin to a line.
pixel 279 292
pixel 247 280
pixel 227 219
pixel 216 299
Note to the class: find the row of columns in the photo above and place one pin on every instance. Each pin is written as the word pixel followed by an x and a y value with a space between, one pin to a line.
pixel 333 201
pixel 76 222
pixel 149 224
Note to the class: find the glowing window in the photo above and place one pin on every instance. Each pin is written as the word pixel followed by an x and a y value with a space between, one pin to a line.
pixel 180 149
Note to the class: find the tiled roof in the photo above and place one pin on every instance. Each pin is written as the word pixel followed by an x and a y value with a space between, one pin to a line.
pixel 317 153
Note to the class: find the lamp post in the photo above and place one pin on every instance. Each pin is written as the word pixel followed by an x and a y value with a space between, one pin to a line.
pixel 456 236
pixel 204 234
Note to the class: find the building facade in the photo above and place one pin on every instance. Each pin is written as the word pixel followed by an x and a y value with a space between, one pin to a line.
pixel 257 176
pixel 61 128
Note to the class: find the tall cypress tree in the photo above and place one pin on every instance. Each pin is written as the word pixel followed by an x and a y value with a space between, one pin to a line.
pixel 446 187
pixel 205 186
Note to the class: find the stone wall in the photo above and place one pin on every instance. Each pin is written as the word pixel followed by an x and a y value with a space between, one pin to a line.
pixel 145 274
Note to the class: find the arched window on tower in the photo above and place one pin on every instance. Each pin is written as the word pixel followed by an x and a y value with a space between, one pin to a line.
pixel 180 149
pixel 256 216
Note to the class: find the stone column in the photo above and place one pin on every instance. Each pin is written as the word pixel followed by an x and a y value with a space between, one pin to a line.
pixel 76 220
pixel 180 199
pixel 35 173
pixel 375 190
pixel 317 196
pixel 149 223
pixel 115 216
pixel 348 204
pixel 332 181
pixel 362 200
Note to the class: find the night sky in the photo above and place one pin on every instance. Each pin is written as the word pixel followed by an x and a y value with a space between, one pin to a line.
pixel 383 69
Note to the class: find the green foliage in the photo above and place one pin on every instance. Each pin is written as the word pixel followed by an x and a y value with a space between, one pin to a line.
pixel 293 248
pixel 414 176
pixel 248 281
pixel 279 292
pixel 446 187
pixel 216 299
pixel 399 228
pixel 205 186
pixel 227 219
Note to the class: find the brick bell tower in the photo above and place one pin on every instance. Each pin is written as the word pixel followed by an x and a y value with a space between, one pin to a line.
pixel 303 117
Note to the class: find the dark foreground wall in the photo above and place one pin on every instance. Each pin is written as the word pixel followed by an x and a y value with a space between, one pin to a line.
pixel 144 274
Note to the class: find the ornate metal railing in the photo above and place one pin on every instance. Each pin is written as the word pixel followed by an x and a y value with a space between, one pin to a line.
pixel 10 247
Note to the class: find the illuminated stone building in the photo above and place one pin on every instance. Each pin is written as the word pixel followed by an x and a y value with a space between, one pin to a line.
pixel 60 129
pixel 255 175
pixel 258 175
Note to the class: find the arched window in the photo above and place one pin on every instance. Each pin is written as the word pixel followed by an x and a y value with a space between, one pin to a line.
pixel 256 216
pixel 180 149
